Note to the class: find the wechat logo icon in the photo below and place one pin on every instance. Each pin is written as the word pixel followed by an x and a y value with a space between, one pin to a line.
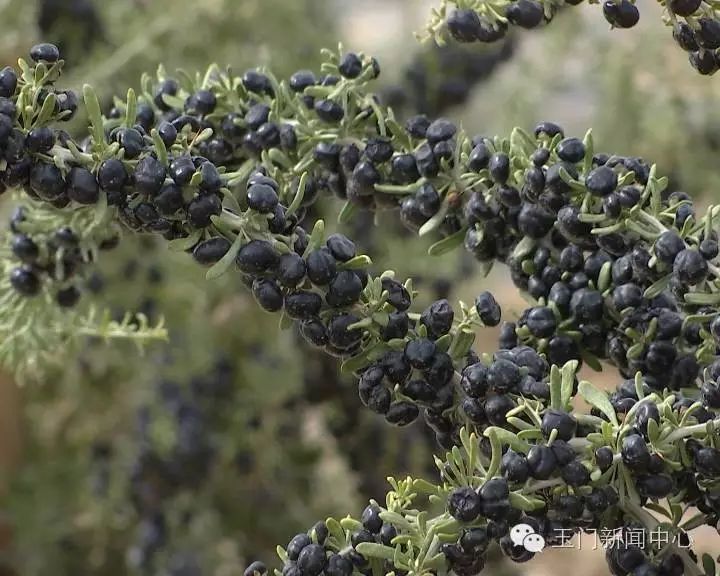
pixel 524 535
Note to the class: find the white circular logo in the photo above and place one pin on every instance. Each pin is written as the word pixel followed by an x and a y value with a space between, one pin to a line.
pixel 524 535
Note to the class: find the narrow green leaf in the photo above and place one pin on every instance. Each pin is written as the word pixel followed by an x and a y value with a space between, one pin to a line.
pixel 555 388
pixel 299 195
pixel 222 265
pixel 358 263
pixel 598 398
pixel 159 147
pixel 568 382
pixel 347 212
pixel 525 503
pixel 183 244
pixel 373 550
pixel 657 287
pixel 92 105
pixel 131 108
pixel 708 564
pixel 447 244
pixel 47 111
pixel 316 237
pixel 435 221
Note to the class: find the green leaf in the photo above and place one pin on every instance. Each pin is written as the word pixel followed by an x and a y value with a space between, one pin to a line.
pixel 373 550
pixel 47 110
pixel 555 388
pixel 183 244
pixel 525 503
pixel 299 195
pixel 355 363
pixel 435 221
pixel 598 398
pixel 358 263
pixel 657 287
pixel 335 530
pixel 708 564
pixel 447 244
pixel 222 265
pixel 347 212
pixel 131 108
pixel 568 382
pixel 316 237
pixel 351 524
pixel 524 248
pixel 160 148
pixel 506 437
pixel 94 114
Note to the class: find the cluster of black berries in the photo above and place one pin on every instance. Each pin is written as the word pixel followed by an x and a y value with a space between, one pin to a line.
pixel 444 76
pixel 320 552
pixel 53 260
pixel 467 25
pixel 579 233
pixel 695 30
pixel 697 33
pixel 160 471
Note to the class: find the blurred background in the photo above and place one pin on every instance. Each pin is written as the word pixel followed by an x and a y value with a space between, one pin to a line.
pixel 211 450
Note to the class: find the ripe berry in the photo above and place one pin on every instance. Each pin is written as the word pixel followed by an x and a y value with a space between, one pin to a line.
pixel 40 140
pixel 67 297
pixel 668 246
pixel 8 82
pixel 338 565
pixel 202 208
pixel 329 111
pixel 350 65
pixel 268 294
pixel 257 256
pixel 169 199
pixel 25 281
pixel 149 176
pixel 684 7
pixel 321 266
pixel 301 80
pixel 25 248
pixel 438 318
pixel 45 53
pixel 635 453
pixel 525 13
pixel 488 309
pixel 474 380
pixel 202 102
pixel 499 167
pixel 541 321
pixel 46 180
pixel 402 413
pixel 303 304
pixel 262 198
pixel 621 13
pixel 690 267
pixel 464 25
pixel 708 35
pixel 542 462
pixel 344 289
pixel 561 421
pixel 82 186
pixel 602 181
pixel 211 251
pixel 112 176
pixel 420 353
pixel 464 504
pixel 311 560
